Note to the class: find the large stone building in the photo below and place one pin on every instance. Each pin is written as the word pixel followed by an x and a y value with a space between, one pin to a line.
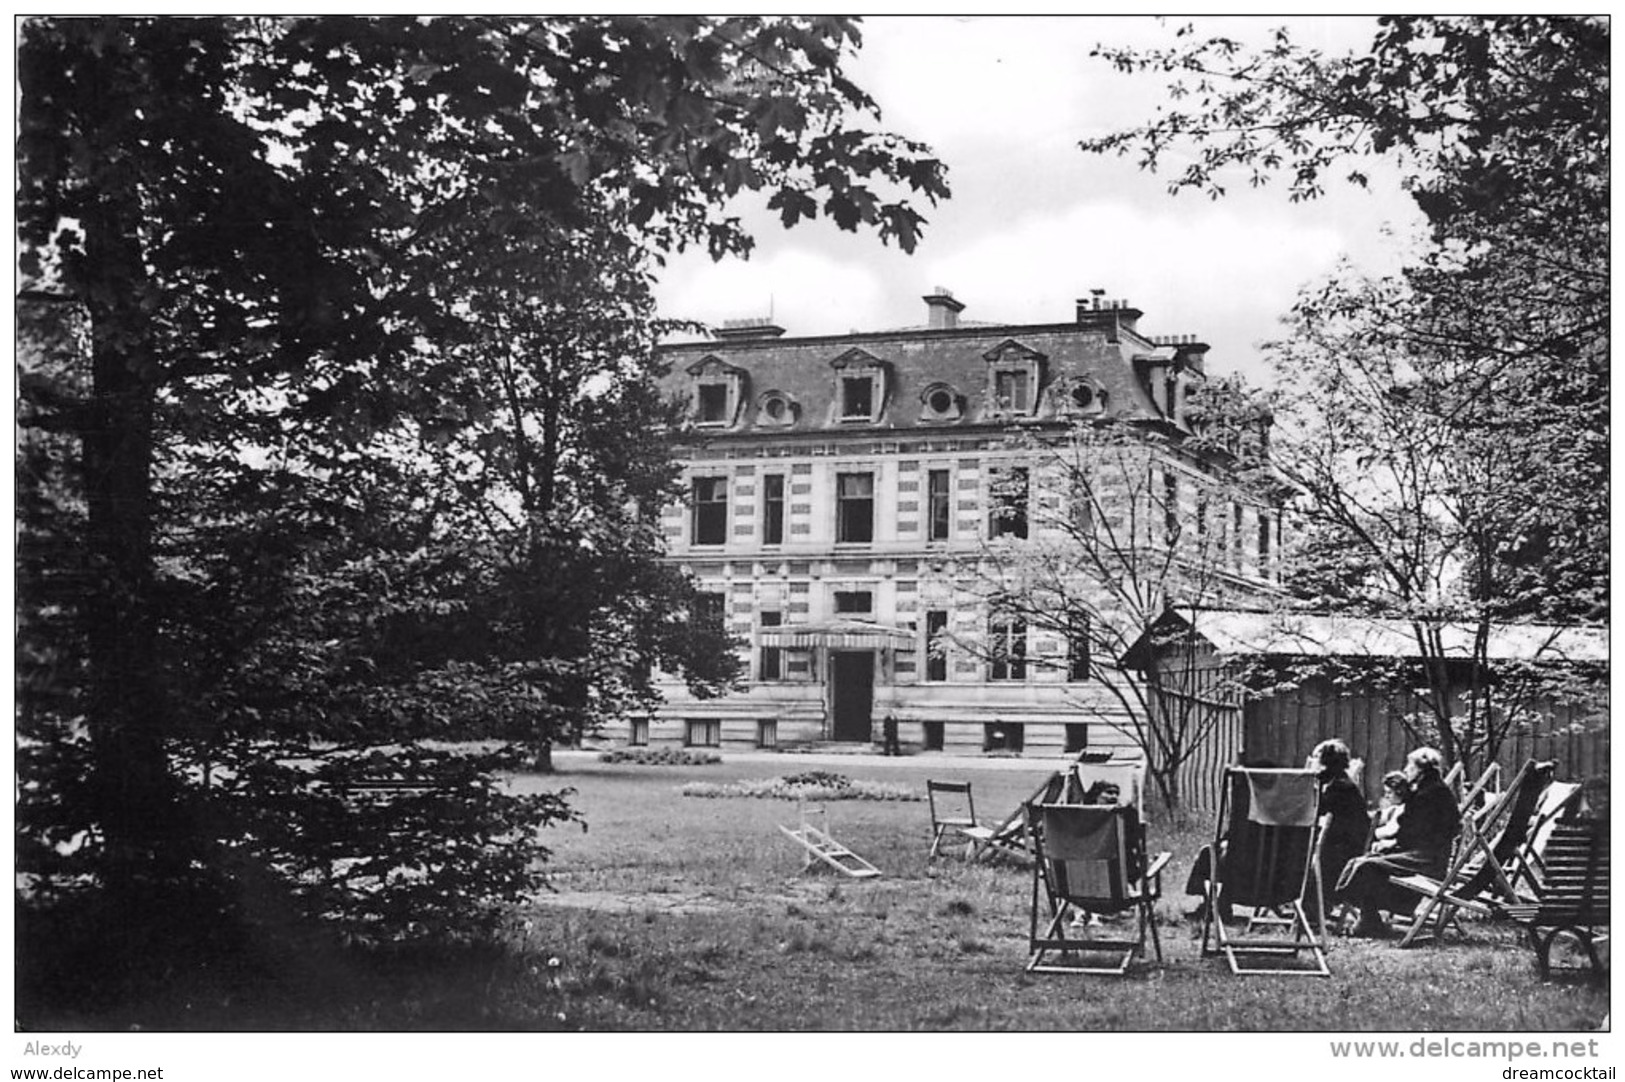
pixel 835 483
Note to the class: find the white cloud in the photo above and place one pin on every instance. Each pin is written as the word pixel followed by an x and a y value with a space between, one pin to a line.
pixel 1034 223
pixel 801 289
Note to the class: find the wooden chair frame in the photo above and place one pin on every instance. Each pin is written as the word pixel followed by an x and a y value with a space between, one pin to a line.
pixel 1133 884
pixel 1275 892
pixel 960 820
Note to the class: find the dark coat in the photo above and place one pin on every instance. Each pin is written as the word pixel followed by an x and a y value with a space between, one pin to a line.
pixel 1345 835
pixel 1427 829
pixel 1427 826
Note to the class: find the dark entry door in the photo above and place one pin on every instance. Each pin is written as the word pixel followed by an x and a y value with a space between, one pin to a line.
pixel 853 675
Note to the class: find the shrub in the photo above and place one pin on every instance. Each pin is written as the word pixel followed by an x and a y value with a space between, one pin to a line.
pixel 442 864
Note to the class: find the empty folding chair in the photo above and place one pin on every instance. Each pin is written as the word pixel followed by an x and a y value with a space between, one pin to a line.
pixel 953 814
pixel 1266 837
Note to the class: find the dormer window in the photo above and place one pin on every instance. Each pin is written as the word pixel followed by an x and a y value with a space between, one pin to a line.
pixel 777 410
pixel 1082 396
pixel 718 390
pixel 713 403
pixel 940 402
pixel 857 398
pixel 860 387
pixel 1010 391
pixel 1014 377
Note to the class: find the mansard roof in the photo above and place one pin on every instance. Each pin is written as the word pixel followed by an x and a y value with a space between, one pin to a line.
pixel 805 370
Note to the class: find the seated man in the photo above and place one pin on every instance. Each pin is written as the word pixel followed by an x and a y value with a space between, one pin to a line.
pixel 1427 827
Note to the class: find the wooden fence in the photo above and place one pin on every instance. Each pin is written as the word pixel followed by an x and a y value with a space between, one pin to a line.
pixel 1284 728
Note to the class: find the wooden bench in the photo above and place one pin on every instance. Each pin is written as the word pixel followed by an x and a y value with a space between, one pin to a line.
pixel 1573 894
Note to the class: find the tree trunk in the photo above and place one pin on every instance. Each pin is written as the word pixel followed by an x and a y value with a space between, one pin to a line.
pixel 136 809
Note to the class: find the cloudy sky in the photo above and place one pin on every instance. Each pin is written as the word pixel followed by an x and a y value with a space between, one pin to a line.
pixel 1034 223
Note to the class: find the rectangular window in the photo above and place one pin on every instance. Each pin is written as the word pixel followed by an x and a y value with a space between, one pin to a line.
pixel 767 733
pixel 857 396
pixel 1263 541
pixel 770 665
pixel 1077 647
pixel 855 507
pixel 1236 536
pixel 1201 513
pixel 773 509
pixel 703 733
pixel 852 601
pixel 1083 505
pixel 939 505
pixel 640 732
pixel 1008 642
pixel 1003 736
pixel 1170 506
pixel 710 509
pixel 1010 389
pixel 1009 515
pixel 936 645
pixel 713 403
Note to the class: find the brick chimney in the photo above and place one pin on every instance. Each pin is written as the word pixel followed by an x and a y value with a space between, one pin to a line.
pixel 942 311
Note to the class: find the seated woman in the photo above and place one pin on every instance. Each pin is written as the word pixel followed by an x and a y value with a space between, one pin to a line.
pixel 1385 825
pixel 1343 820
pixel 1427 827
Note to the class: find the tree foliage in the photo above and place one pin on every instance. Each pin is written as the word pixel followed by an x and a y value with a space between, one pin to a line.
pixel 1448 432
pixel 362 446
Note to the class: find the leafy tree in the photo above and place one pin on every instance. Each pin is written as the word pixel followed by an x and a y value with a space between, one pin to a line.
pixel 1125 521
pixel 326 268
pixel 1453 455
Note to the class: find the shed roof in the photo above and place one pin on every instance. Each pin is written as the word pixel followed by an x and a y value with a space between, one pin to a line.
pixel 1262 634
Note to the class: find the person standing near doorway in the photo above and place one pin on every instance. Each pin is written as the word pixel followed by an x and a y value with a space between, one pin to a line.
pixel 888 728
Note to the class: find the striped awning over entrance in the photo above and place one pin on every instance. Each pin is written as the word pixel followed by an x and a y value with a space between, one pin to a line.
pixel 837 634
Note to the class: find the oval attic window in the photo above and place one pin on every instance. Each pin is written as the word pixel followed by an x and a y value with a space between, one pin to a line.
pixel 1083 396
pixel 940 401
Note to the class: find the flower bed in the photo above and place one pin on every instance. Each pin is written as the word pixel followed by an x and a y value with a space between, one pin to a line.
pixel 809 785
pixel 660 757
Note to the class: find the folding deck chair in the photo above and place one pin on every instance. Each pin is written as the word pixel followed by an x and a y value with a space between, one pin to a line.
pixel 820 845
pixel 1495 848
pixel 1267 833
pixel 953 812
pixel 1008 838
pixel 1560 801
pixel 1468 794
pixel 1090 859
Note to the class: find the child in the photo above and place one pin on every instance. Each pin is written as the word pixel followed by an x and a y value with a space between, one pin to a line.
pixel 1395 788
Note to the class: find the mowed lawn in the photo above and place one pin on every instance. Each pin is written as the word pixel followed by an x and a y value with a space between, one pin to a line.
pixel 685 913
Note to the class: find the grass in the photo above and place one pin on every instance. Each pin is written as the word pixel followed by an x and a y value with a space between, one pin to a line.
pixel 733 935
pixel 671 913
